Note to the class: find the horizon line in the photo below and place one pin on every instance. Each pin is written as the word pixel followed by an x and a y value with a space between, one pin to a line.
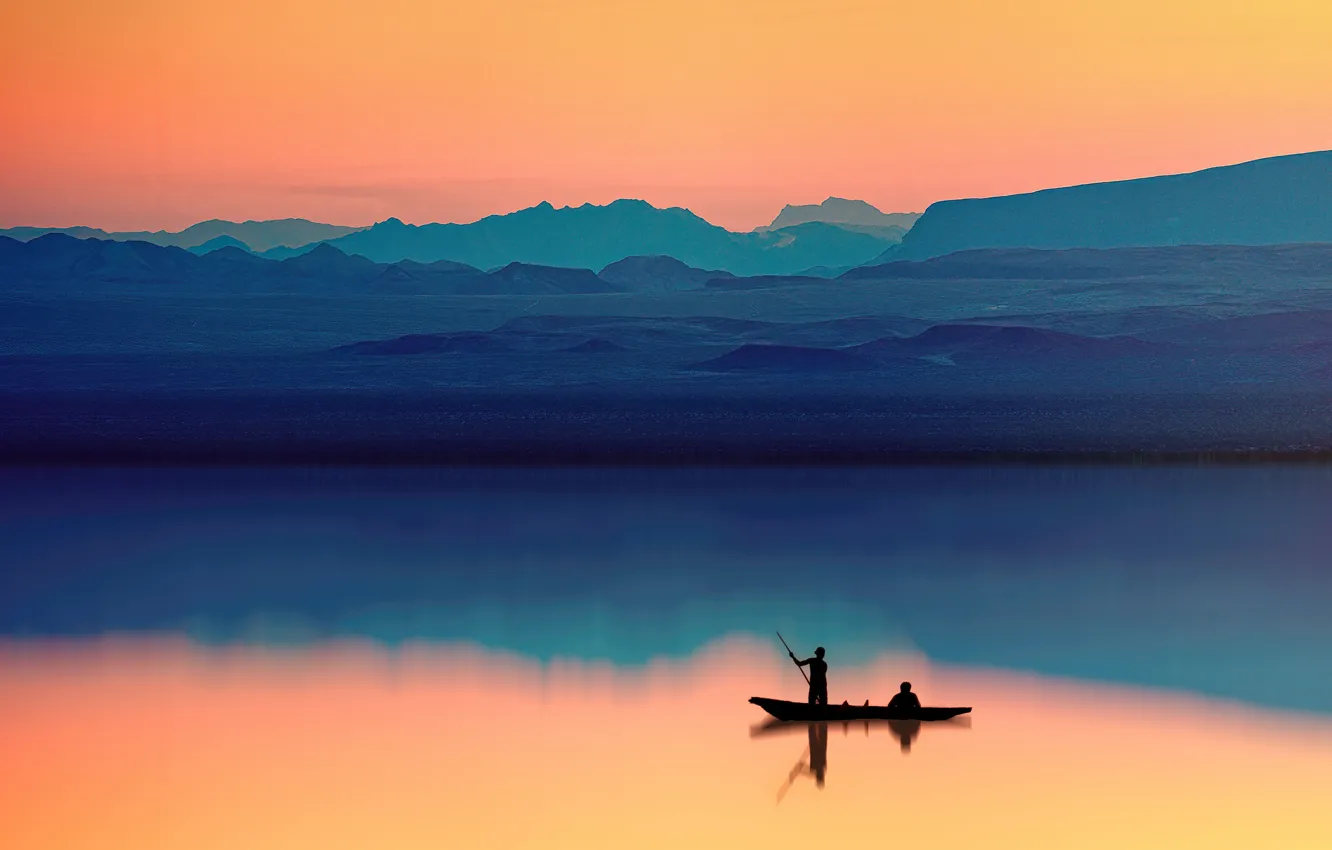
pixel 547 203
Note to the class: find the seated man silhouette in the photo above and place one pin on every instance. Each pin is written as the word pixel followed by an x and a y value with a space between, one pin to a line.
pixel 904 700
pixel 818 676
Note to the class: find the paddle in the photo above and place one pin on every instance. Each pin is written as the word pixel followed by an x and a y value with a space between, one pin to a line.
pixel 790 777
pixel 792 654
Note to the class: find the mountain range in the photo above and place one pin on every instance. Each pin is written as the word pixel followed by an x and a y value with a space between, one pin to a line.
pixel 207 235
pixel 122 350
pixel 591 236
pixel 829 238
pixel 57 261
pixel 1274 201
pixel 1278 200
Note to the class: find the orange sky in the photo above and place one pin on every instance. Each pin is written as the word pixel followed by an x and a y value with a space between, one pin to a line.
pixel 152 745
pixel 158 113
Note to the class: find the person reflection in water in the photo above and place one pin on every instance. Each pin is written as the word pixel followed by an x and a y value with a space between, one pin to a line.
pixel 818 676
pixel 906 732
pixel 817 766
pixel 818 751
pixel 904 700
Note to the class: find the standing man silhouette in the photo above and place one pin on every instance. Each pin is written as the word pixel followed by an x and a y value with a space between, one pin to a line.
pixel 818 676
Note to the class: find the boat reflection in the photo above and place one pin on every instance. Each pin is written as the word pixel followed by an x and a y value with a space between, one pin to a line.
pixel 906 730
pixel 813 762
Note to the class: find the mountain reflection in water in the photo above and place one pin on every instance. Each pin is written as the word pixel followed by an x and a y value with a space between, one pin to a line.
pixel 159 744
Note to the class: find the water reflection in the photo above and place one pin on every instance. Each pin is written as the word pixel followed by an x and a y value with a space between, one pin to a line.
pixel 163 745
pixel 1211 580
pixel 813 761
pixel 906 731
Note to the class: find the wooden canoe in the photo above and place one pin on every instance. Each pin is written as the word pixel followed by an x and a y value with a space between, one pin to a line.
pixel 786 710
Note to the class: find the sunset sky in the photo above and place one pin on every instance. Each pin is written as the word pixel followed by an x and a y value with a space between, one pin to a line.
pixel 147 114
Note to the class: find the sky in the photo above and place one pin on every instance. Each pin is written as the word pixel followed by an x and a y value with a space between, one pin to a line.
pixel 148 114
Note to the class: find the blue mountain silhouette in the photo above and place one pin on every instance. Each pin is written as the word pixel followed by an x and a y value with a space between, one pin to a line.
pixel 1271 201
pixel 217 243
pixel 254 235
pixel 594 237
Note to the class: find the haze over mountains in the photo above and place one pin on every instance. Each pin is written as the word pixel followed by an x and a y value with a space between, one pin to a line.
pixel 252 235
pixel 847 213
pixel 1270 201
pixel 591 236
pixel 833 237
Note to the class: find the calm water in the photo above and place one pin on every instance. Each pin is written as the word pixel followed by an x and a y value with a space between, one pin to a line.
pixel 403 659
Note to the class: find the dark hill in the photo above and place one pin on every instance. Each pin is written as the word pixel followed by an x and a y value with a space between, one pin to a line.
pixel 1198 262
pixel 765 282
pixel 57 258
pixel 1006 341
pixel 427 344
pixel 523 279
pixel 432 278
pixel 657 274
pixel 324 259
pixel 232 258
pixel 785 358
pixel 644 332
pixel 217 243
pixel 1306 329
pixel 596 346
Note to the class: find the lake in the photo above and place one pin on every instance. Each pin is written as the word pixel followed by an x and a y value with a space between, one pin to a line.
pixel 281 658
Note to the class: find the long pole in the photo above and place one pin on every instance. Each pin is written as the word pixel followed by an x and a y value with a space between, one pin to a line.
pixel 792 654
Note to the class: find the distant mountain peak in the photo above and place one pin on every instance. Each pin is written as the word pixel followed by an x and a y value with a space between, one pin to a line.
pixel 218 243
pixel 57 238
pixel 835 204
pixel 841 211
pixel 233 253
pixel 321 257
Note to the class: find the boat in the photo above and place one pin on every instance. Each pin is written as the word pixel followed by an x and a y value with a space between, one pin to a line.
pixel 804 711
